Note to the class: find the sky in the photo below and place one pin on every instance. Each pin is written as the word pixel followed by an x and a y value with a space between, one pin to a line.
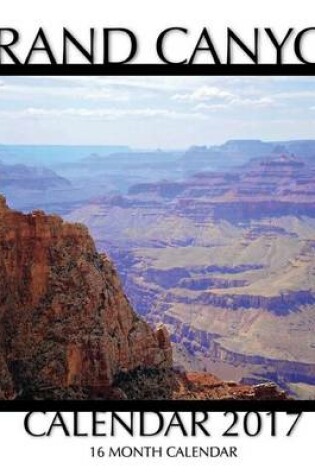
pixel 155 112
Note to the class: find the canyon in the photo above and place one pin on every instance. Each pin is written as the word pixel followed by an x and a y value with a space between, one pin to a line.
pixel 226 260
pixel 215 243
pixel 67 330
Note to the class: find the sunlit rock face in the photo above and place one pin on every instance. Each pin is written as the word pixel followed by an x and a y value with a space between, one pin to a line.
pixel 65 321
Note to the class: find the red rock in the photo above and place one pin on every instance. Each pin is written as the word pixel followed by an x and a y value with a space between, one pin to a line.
pixel 64 319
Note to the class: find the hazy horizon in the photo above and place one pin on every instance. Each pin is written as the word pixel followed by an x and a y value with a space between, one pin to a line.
pixel 154 112
pixel 153 148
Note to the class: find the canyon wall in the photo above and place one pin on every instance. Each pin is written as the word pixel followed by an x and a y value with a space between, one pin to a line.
pixel 224 256
pixel 64 319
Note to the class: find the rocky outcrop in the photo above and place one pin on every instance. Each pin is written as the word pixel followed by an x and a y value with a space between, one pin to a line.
pixel 174 384
pixel 65 322
pixel 207 386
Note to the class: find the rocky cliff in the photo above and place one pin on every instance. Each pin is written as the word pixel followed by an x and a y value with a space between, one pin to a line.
pixel 65 324
pixel 67 330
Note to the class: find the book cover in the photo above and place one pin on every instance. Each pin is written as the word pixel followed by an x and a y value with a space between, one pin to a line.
pixel 157 235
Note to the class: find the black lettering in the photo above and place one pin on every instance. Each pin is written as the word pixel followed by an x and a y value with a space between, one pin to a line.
pixel 233 38
pixel 41 37
pixel 27 425
pixel 129 428
pixel 176 422
pixel 143 431
pixel 76 429
pixel 276 43
pixel 199 424
pixel 58 422
pixel 69 38
pixel 160 45
pixel 107 32
pixel 234 423
pixel 7 47
pixel 298 45
pixel 210 47
pixel 252 432
pixel 96 423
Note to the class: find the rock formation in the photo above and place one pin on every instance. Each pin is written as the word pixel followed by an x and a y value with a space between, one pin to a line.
pixel 175 384
pixel 225 259
pixel 67 330
pixel 65 324
pixel 21 177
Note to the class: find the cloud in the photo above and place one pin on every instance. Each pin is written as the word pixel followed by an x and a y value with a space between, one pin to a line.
pixel 260 101
pixel 97 114
pixel 211 107
pixel 295 95
pixel 203 93
pixel 214 99
pixel 148 83
pixel 235 102
pixel 190 92
pixel 22 92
